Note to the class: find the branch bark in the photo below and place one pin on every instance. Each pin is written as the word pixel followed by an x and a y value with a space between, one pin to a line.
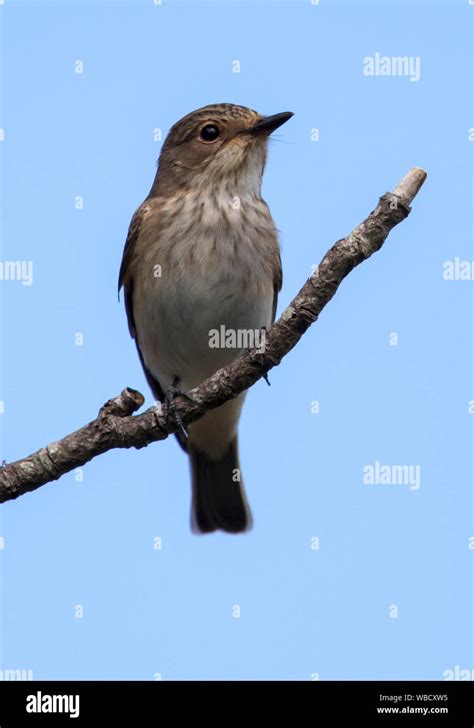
pixel 117 427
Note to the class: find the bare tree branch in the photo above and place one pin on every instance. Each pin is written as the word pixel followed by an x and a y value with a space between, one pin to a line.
pixel 117 427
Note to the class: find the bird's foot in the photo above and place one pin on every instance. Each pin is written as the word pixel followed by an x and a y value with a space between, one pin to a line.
pixel 169 405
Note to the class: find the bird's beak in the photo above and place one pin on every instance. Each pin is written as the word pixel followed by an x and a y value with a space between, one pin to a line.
pixel 268 124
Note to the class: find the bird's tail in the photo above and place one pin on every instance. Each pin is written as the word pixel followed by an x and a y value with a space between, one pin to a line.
pixel 219 500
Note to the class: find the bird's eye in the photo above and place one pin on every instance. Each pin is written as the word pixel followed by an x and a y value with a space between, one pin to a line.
pixel 210 133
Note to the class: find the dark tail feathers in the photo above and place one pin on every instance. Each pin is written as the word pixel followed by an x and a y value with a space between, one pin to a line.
pixel 219 500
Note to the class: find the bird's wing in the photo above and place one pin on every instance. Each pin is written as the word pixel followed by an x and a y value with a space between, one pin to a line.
pixel 126 280
pixel 277 284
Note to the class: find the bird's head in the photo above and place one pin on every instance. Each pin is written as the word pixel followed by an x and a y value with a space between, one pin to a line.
pixel 217 144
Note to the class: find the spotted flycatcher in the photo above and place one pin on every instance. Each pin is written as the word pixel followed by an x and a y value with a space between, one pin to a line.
pixel 201 265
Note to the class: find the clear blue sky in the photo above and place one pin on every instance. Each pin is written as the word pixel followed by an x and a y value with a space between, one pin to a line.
pixel 303 611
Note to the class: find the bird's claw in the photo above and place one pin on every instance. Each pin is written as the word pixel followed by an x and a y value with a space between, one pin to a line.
pixel 169 406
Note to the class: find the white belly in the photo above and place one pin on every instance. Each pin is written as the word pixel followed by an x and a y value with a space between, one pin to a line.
pixel 177 321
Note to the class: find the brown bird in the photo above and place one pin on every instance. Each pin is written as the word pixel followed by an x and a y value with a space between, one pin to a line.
pixel 202 261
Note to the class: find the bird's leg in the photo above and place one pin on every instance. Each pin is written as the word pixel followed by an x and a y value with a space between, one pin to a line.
pixel 264 337
pixel 169 404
